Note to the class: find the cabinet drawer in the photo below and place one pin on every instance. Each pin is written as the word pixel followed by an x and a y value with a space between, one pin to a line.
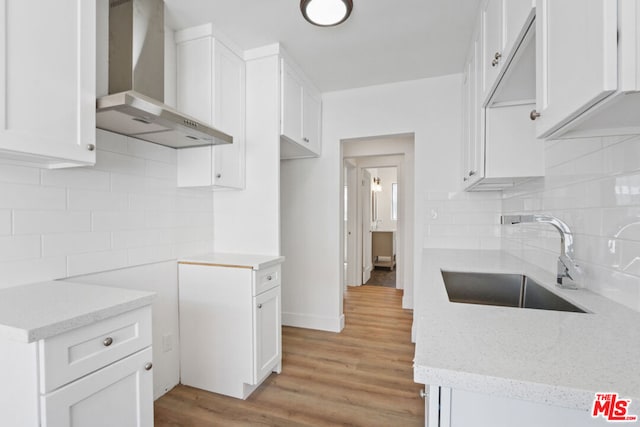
pixel 266 279
pixel 71 355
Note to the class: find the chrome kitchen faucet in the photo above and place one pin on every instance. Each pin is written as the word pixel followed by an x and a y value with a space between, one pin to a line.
pixel 567 268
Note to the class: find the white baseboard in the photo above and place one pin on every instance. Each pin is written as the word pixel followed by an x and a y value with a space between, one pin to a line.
pixel 407 302
pixel 330 324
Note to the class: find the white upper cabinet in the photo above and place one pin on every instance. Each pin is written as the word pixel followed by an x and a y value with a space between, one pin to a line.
pixel 301 115
pixel 499 147
pixel 503 24
pixel 588 68
pixel 211 87
pixel 577 59
pixel 47 82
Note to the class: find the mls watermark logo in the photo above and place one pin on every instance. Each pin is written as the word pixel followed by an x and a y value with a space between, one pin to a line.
pixel 612 408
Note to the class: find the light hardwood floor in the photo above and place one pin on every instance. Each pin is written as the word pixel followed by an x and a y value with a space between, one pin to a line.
pixel 360 377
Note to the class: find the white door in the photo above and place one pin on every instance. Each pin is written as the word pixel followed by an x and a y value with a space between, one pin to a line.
pixel 119 395
pixel 267 332
pixel 351 206
pixel 367 263
pixel 576 58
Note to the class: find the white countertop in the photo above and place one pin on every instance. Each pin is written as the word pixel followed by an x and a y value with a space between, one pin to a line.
pixel 255 262
pixel 557 358
pixel 41 310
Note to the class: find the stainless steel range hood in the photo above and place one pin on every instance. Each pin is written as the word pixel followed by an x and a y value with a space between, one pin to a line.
pixel 134 105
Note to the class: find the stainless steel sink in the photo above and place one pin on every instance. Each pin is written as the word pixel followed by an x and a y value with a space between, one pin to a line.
pixel 506 290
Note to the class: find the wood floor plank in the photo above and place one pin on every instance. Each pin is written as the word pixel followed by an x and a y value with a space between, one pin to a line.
pixel 362 376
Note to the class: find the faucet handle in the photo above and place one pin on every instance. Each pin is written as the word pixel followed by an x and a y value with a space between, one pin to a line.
pixel 568 269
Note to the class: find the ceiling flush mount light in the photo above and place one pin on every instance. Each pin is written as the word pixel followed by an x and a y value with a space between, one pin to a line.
pixel 326 13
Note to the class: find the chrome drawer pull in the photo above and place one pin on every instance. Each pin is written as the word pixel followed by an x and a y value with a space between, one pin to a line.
pixel 107 341
pixel 148 366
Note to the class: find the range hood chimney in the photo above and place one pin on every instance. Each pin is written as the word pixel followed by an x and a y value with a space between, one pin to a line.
pixel 134 106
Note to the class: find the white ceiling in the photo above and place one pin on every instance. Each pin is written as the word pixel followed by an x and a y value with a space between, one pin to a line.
pixel 383 41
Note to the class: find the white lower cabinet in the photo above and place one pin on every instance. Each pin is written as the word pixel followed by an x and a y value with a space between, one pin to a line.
pixel 230 327
pixel 447 407
pixel 108 397
pixel 96 375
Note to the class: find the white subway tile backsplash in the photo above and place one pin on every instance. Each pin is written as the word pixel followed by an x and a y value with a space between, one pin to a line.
pixel 112 142
pixel 19 247
pixel 592 184
pixel 77 178
pixel 20 196
pixel 19 174
pixel 142 149
pixel 121 163
pixel 5 222
pixel 88 200
pixel 162 171
pixel 75 243
pixel 125 211
pixel 41 222
pixel 139 238
pixel 116 221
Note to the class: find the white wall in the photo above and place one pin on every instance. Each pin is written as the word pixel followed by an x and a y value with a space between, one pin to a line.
pixel 430 108
pixel 593 184
pixel 249 221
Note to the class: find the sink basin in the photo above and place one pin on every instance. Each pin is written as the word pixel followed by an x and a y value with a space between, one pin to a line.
pixel 505 290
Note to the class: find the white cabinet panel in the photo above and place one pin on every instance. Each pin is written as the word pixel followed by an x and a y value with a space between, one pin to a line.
pixel 493 54
pixel 211 87
pixel 108 397
pixel 230 327
pixel 291 104
pixel 576 59
pixel 301 115
pixel 47 82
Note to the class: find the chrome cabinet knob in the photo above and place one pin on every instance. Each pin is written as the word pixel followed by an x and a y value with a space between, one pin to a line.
pixel 534 115
pixel 269 278
pixel 148 366
pixel 423 394
pixel 259 305
pixel 471 173
pixel 218 175
pixel 107 341
pixel 497 56
pixel 465 179
pixel 91 147
pixel 305 139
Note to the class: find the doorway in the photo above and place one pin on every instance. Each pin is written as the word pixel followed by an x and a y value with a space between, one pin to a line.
pixel 379 236
pixel 377 156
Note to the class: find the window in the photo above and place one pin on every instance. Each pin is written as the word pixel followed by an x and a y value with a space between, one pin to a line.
pixel 394 201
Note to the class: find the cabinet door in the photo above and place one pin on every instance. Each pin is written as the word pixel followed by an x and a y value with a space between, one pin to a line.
pixel 120 394
pixel 576 59
pixel 291 126
pixel 194 78
pixel 311 114
pixel 47 81
pixel 229 98
pixel 492 42
pixel 267 332
pixel 475 148
pixel 516 14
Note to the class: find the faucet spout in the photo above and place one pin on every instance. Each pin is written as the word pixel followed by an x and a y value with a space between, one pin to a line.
pixel 567 268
